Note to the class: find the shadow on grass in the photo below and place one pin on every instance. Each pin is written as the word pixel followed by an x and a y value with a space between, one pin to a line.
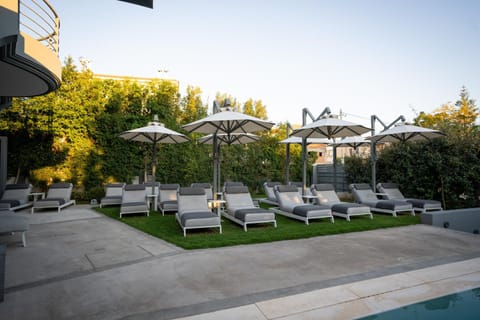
pixel 167 228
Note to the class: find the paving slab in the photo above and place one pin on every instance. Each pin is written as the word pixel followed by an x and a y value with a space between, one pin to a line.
pixel 93 267
pixel 377 295
pixel 73 241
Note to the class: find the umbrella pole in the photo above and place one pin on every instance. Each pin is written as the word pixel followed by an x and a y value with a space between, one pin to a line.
pixel 214 153
pixel 373 153
pixel 373 156
pixel 154 167
pixel 287 164
pixel 304 160
pixel 219 166
pixel 335 167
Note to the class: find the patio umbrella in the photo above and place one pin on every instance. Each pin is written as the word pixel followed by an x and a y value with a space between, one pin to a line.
pixel 227 139
pixel 352 142
pixel 330 128
pixel 401 132
pixel 226 122
pixel 327 127
pixel 298 140
pixel 154 133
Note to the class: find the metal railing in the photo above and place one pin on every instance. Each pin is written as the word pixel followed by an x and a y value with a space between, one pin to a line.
pixel 39 20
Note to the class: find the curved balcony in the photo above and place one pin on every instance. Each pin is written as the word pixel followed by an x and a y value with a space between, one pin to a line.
pixel 29 43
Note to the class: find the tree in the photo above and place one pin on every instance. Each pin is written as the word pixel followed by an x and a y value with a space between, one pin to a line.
pixel 222 98
pixel 192 106
pixel 255 108
pixel 457 119
pixel 447 169
pixel 72 134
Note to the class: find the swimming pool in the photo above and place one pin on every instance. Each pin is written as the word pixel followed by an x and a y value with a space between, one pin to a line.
pixel 463 305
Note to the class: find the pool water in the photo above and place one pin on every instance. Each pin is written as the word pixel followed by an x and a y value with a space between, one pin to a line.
pixel 462 305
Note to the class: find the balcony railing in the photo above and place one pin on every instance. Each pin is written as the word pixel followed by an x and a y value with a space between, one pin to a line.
pixel 39 20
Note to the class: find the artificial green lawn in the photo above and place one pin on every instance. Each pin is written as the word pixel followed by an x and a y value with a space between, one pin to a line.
pixel 167 228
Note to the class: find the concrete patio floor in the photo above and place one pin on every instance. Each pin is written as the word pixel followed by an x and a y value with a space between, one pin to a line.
pixel 82 265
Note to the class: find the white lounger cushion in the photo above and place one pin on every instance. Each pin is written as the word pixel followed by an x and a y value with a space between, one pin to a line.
pixel 193 211
pixel 240 206
pixel 15 196
pixel 58 196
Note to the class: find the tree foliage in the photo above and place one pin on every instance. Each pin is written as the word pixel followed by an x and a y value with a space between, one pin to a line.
pixel 446 169
pixel 457 119
pixel 72 134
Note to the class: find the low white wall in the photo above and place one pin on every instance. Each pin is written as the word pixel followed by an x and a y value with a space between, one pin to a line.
pixel 466 220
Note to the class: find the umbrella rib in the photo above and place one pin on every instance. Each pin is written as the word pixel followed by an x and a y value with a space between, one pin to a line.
pixel 135 136
pixel 146 136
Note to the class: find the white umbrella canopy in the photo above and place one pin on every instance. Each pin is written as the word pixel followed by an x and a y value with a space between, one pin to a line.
pixel 298 140
pixel 330 128
pixel 155 132
pixel 406 132
pixel 228 139
pixel 352 142
pixel 226 122
pixel 402 132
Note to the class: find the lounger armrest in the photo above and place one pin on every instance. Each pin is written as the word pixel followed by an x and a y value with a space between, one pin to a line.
pixel 256 201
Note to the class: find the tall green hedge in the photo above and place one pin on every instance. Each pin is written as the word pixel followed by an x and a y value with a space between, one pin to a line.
pixel 72 134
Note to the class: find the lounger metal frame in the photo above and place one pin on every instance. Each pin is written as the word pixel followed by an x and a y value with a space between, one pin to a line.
pixel 245 224
pixel 24 187
pixel 373 207
pixel 334 200
pixel 416 209
pixel 43 203
pixel 184 229
pixel 304 219
pixel 247 203
pixel 348 215
pixel 198 200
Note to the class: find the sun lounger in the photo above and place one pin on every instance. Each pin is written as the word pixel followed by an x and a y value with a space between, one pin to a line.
pixel 113 195
pixel 58 197
pixel 363 194
pixel 392 192
pixel 232 184
pixel 291 205
pixel 168 197
pixel 204 185
pixel 11 223
pixel 241 209
pixel 134 200
pixel 326 195
pixel 15 197
pixel 268 187
pixel 193 211
pixel 299 185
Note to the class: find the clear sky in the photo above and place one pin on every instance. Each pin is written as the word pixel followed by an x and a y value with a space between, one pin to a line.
pixel 364 57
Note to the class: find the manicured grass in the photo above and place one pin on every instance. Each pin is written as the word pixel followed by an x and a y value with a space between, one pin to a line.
pixel 167 228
